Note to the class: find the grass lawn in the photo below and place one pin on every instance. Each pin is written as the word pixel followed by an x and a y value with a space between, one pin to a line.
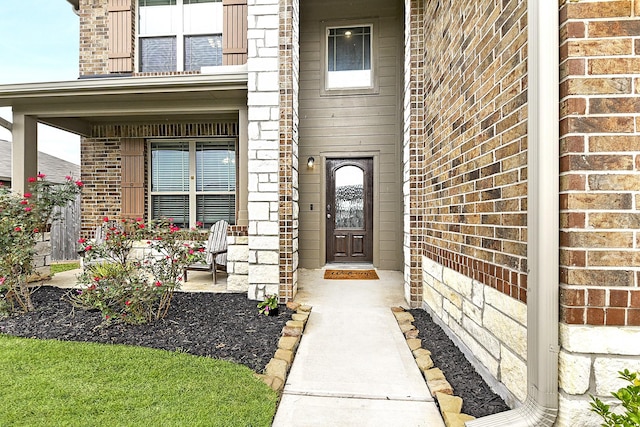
pixel 47 383
pixel 64 266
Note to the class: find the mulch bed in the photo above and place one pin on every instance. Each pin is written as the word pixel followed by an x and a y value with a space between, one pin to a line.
pixel 478 399
pixel 223 326
pixel 227 326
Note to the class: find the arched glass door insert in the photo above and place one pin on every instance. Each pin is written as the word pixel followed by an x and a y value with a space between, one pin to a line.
pixel 349 210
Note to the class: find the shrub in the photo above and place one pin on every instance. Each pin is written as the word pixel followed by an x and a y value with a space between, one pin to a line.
pixel 135 290
pixel 628 396
pixel 22 219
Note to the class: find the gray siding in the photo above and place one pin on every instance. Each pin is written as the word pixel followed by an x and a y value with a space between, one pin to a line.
pixel 345 125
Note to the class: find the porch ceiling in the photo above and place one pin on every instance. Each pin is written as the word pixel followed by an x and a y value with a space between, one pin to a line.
pixel 76 106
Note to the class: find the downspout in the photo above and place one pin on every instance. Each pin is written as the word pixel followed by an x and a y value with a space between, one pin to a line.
pixel 541 405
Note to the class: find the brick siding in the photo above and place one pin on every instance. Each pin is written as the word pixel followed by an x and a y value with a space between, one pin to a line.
pixel 94 37
pixel 600 160
pixel 467 153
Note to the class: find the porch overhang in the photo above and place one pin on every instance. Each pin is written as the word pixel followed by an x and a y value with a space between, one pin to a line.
pixel 76 106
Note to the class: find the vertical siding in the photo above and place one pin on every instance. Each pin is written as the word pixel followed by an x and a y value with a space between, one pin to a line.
pixel 120 36
pixel 234 32
pixel 345 125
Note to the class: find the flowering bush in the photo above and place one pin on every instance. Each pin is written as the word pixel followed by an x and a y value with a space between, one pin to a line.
pixel 135 290
pixel 22 219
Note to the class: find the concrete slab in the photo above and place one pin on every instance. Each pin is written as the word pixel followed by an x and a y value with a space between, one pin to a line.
pixel 353 366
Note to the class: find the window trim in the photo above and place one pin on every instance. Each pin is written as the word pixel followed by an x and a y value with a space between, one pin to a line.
pixel 192 193
pixel 179 35
pixel 325 90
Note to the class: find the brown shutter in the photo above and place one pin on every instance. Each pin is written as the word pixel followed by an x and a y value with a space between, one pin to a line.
pixel 120 36
pixel 132 187
pixel 234 32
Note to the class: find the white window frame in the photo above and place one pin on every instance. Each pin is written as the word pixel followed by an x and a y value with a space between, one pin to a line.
pixel 179 34
pixel 326 89
pixel 192 192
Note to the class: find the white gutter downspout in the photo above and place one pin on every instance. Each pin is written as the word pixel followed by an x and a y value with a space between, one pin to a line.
pixel 541 405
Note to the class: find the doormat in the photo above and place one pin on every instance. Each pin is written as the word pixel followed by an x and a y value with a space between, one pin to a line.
pixel 351 275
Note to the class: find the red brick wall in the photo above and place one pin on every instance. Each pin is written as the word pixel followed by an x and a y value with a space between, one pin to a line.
pixel 472 165
pixel 600 163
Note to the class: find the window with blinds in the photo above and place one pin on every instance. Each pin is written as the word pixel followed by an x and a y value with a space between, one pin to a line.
pixel 193 181
pixel 179 35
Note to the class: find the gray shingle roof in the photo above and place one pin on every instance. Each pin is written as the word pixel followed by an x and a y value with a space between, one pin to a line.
pixel 53 167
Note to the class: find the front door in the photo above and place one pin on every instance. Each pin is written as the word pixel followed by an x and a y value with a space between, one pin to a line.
pixel 349 210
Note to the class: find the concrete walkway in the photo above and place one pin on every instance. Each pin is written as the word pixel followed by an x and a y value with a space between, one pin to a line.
pixel 353 367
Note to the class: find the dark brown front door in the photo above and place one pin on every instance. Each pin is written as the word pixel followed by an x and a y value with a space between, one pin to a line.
pixel 349 210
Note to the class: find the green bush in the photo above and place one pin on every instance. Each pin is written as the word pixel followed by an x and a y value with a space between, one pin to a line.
pixel 629 398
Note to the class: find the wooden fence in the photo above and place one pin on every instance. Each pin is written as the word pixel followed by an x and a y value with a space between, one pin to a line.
pixel 66 232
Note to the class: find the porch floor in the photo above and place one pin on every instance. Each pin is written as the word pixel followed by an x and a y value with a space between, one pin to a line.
pixel 199 281
pixel 353 366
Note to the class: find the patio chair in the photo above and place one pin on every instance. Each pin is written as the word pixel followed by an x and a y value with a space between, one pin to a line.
pixel 216 251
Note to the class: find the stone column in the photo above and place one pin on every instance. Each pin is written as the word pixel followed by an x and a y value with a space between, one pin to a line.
pixel 263 147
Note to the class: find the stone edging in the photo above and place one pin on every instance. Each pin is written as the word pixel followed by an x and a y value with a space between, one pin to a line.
pixel 275 373
pixel 441 390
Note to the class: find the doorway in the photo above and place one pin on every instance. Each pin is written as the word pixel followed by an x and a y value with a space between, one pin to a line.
pixel 349 210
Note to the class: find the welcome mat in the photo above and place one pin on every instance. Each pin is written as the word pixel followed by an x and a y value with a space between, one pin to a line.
pixel 351 275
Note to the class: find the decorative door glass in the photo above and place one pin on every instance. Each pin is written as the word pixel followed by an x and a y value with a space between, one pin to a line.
pixel 349 203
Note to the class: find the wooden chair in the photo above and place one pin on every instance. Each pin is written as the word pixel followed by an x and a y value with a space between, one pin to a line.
pixel 216 251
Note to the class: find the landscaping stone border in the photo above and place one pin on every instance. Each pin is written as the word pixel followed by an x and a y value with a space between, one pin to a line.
pixel 441 390
pixel 275 373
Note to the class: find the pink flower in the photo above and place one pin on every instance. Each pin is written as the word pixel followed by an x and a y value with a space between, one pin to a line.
pixel 24 202
pixel 32 179
pixel 27 209
pixel 138 219
pixel 41 175
pixel 17 229
pixel 127 302
pixel 79 183
pixel 2 280
pixel 88 248
pixel 158 283
pixel 35 230
pixel 82 240
pixel 190 251
pixel 199 224
pixel 27 195
pixel 68 178
pixel 105 219
pixel 141 226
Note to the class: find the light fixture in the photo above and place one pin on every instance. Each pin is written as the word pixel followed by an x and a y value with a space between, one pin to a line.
pixel 310 162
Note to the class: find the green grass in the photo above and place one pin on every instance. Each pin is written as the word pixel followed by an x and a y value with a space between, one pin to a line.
pixel 58 383
pixel 64 266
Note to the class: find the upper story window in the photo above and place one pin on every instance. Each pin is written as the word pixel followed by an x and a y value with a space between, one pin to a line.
pixel 349 57
pixel 179 35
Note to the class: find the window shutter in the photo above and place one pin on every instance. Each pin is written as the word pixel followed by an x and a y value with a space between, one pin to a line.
pixel 120 36
pixel 234 32
pixel 132 179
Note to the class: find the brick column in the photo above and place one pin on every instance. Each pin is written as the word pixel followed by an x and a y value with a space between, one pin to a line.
pixel 413 145
pixel 599 200
pixel 263 147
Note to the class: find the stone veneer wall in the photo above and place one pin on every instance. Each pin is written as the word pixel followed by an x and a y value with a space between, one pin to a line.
pixel 238 259
pixel 599 201
pixel 264 147
pixel 465 177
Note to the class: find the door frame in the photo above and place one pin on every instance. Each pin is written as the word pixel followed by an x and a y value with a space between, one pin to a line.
pixel 375 155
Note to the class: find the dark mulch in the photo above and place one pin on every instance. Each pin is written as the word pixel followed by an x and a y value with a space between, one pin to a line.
pixel 478 399
pixel 223 326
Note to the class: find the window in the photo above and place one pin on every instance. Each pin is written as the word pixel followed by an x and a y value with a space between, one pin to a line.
pixel 179 35
pixel 193 181
pixel 348 57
